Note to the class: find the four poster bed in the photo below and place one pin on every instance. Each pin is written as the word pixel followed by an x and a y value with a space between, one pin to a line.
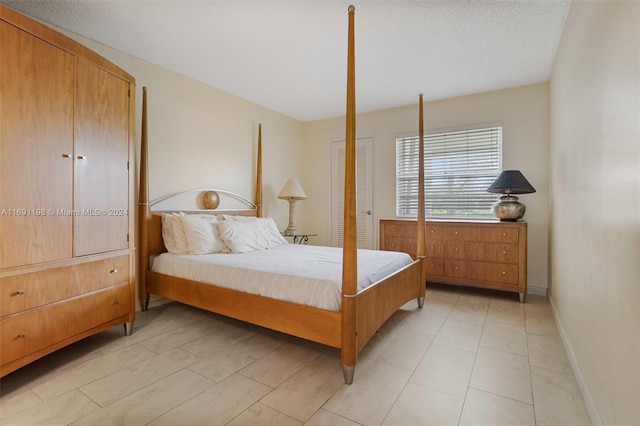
pixel 357 310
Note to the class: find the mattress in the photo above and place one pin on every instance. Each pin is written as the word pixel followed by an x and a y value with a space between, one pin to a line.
pixel 303 274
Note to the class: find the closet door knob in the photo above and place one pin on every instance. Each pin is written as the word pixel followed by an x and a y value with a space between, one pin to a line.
pixel 113 271
pixel 22 335
pixel 82 157
pixel 66 155
pixel 20 292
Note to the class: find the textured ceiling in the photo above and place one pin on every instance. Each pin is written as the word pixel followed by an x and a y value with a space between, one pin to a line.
pixel 290 55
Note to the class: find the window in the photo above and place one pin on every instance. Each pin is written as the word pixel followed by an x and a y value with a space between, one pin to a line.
pixel 459 167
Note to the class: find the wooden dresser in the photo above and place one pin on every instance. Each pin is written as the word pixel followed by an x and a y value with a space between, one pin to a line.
pixel 476 253
pixel 66 190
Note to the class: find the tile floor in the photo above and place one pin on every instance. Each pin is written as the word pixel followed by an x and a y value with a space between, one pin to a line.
pixel 470 357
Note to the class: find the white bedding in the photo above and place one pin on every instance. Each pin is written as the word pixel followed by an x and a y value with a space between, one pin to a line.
pixel 308 275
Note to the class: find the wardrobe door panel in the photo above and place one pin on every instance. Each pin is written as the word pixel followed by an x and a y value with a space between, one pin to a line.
pixel 101 161
pixel 36 143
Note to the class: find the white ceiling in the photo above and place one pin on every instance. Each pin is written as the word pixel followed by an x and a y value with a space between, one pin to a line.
pixel 290 55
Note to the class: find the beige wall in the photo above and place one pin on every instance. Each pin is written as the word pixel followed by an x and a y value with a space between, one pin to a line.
pixel 523 112
pixel 595 204
pixel 202 137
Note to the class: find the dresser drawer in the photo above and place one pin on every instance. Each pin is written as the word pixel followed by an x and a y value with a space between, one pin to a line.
pixel 405 245
pixel 434 232
pixel 434 248
pixel 34 330
pixel 400 229
pixel 21 292
pixel 486 252
pixel 479 272
pixel 496 234
pixel 435 267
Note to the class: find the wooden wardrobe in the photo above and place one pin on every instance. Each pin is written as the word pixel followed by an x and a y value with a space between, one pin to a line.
pixel 66 192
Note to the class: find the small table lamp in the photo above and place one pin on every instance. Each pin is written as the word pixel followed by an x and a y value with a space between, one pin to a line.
pixel 507 208
pixel 292 192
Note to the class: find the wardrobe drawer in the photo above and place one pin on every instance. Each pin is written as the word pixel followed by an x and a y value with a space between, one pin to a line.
pixel 36 329
pixel 21 292
pixel 100 274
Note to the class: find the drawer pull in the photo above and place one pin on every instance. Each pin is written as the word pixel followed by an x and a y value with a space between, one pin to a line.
pixel 504 252
pixel 504 273
pixel 456 232
pixel 20 292
pixel 113 271
pixel 22 335
pixel 504 234
pixel 116 302
pixel 432 247
pixel 393 244
pixel 432 231
pixel 456 268
pixel 456 249
pixel 432 265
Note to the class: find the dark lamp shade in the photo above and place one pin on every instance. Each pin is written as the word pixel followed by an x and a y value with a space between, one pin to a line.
pixel 511 182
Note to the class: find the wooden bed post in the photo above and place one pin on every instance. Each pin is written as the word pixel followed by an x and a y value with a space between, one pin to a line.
pixel 349 250
pixel 143 210
pixel 259 174
pixel 421 249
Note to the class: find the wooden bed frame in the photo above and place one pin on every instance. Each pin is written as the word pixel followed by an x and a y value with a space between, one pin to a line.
pixel 363 312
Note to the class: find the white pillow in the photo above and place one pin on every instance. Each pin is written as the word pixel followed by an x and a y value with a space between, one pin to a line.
pixel 273 233
pixel 179 236
pixel 202 234
pixel 167 232
pixel 243 236
pixel 173 235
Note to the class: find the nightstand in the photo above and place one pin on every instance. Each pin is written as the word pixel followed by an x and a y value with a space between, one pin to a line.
pixel 300 237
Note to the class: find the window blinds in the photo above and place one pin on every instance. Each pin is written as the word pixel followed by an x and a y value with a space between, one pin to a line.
pixel 459 167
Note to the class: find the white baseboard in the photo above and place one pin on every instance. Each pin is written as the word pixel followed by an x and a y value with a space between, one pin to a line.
pixel 538 291
pixel 582 384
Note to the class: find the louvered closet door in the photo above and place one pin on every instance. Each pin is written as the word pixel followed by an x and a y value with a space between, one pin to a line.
pixel 364 193
pixel 36 143
pixel 101 154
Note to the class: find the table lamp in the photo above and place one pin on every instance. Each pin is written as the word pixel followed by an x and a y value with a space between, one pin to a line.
pixel 292 192
pixel 507 208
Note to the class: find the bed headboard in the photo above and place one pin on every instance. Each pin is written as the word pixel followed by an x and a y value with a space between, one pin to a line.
pixel 207 201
